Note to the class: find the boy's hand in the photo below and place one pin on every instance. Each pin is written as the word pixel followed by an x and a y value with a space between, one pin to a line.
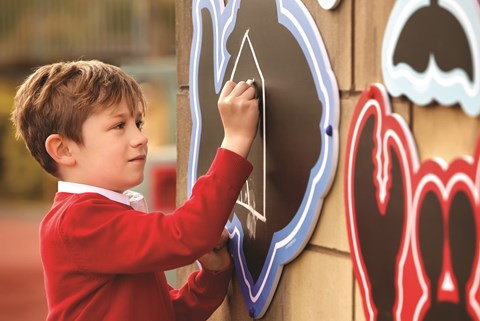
pixel 238 108
pixel 219 258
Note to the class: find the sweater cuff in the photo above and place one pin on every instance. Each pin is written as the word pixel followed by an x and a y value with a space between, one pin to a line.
pixel 233 167
pixel 206 278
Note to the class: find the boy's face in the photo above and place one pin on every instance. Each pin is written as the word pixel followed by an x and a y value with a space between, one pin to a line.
pixel 114 150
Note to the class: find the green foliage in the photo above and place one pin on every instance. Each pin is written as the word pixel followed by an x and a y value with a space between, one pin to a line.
pixel 20 176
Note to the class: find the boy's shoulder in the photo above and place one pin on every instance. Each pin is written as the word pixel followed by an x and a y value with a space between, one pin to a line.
pixel 64 201
pixel 75 208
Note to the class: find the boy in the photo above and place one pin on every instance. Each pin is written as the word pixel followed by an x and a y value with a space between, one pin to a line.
pixel 102 259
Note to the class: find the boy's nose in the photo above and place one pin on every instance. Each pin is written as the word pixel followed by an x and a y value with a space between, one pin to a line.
pixel 139 139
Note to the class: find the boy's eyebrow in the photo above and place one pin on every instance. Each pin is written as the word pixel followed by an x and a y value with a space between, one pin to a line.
pixel 124 114
pixel 118 116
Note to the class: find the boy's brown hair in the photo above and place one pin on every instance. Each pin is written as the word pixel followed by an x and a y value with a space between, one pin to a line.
pixel 58 98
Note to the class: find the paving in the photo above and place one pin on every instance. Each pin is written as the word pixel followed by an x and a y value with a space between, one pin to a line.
pixel 22 296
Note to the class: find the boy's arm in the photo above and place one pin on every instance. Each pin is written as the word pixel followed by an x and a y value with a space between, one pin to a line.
pixel 106 237
pixel 238 107
pixel 203 293
pixel 218 258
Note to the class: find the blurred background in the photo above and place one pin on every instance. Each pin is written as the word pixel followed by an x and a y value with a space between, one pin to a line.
pixel 136 35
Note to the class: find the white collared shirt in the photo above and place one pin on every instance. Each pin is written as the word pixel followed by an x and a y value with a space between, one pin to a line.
pixel 131 198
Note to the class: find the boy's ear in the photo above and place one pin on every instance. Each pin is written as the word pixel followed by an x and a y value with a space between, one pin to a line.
pixel 58 148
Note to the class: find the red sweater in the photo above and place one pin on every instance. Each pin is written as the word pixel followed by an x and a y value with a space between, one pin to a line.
pixel 104 261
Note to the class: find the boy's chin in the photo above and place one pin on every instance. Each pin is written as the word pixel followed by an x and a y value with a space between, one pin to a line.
pixel 136 183
pixel 128 185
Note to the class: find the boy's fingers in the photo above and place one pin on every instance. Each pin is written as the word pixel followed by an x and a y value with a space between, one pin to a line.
pixel 222 242
pixel 227 88
pixel 249 93
pixel 240 89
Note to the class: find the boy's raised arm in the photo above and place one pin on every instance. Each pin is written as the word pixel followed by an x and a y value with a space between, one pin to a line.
pixel 238 107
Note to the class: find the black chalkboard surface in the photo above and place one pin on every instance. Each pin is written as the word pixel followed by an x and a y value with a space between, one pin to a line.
pixel 295 151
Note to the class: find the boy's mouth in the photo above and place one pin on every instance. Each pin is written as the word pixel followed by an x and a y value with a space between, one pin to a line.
pixel 138 158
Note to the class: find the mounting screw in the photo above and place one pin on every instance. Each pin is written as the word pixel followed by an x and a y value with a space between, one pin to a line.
pixel 329 130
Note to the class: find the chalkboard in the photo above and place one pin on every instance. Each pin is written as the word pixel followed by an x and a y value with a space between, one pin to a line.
pixel 431 52
pixel 296 149
pixel 414 228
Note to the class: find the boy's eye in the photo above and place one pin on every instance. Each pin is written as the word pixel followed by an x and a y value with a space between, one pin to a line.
pixel 119 126
pixel 140 124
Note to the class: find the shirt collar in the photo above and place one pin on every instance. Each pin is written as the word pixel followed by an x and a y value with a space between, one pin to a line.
pixel 75 188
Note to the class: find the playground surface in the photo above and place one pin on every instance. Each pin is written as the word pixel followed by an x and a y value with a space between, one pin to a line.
pixel 22 296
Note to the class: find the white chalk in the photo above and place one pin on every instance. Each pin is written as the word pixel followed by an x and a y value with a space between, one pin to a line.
pixel 250 81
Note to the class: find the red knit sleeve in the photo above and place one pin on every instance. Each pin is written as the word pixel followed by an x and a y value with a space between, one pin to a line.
pixel 203 293
pixel 108 237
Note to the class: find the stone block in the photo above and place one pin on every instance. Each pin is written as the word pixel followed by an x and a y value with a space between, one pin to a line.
pixel 444 132
pixel 371 17
pixel 336 30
